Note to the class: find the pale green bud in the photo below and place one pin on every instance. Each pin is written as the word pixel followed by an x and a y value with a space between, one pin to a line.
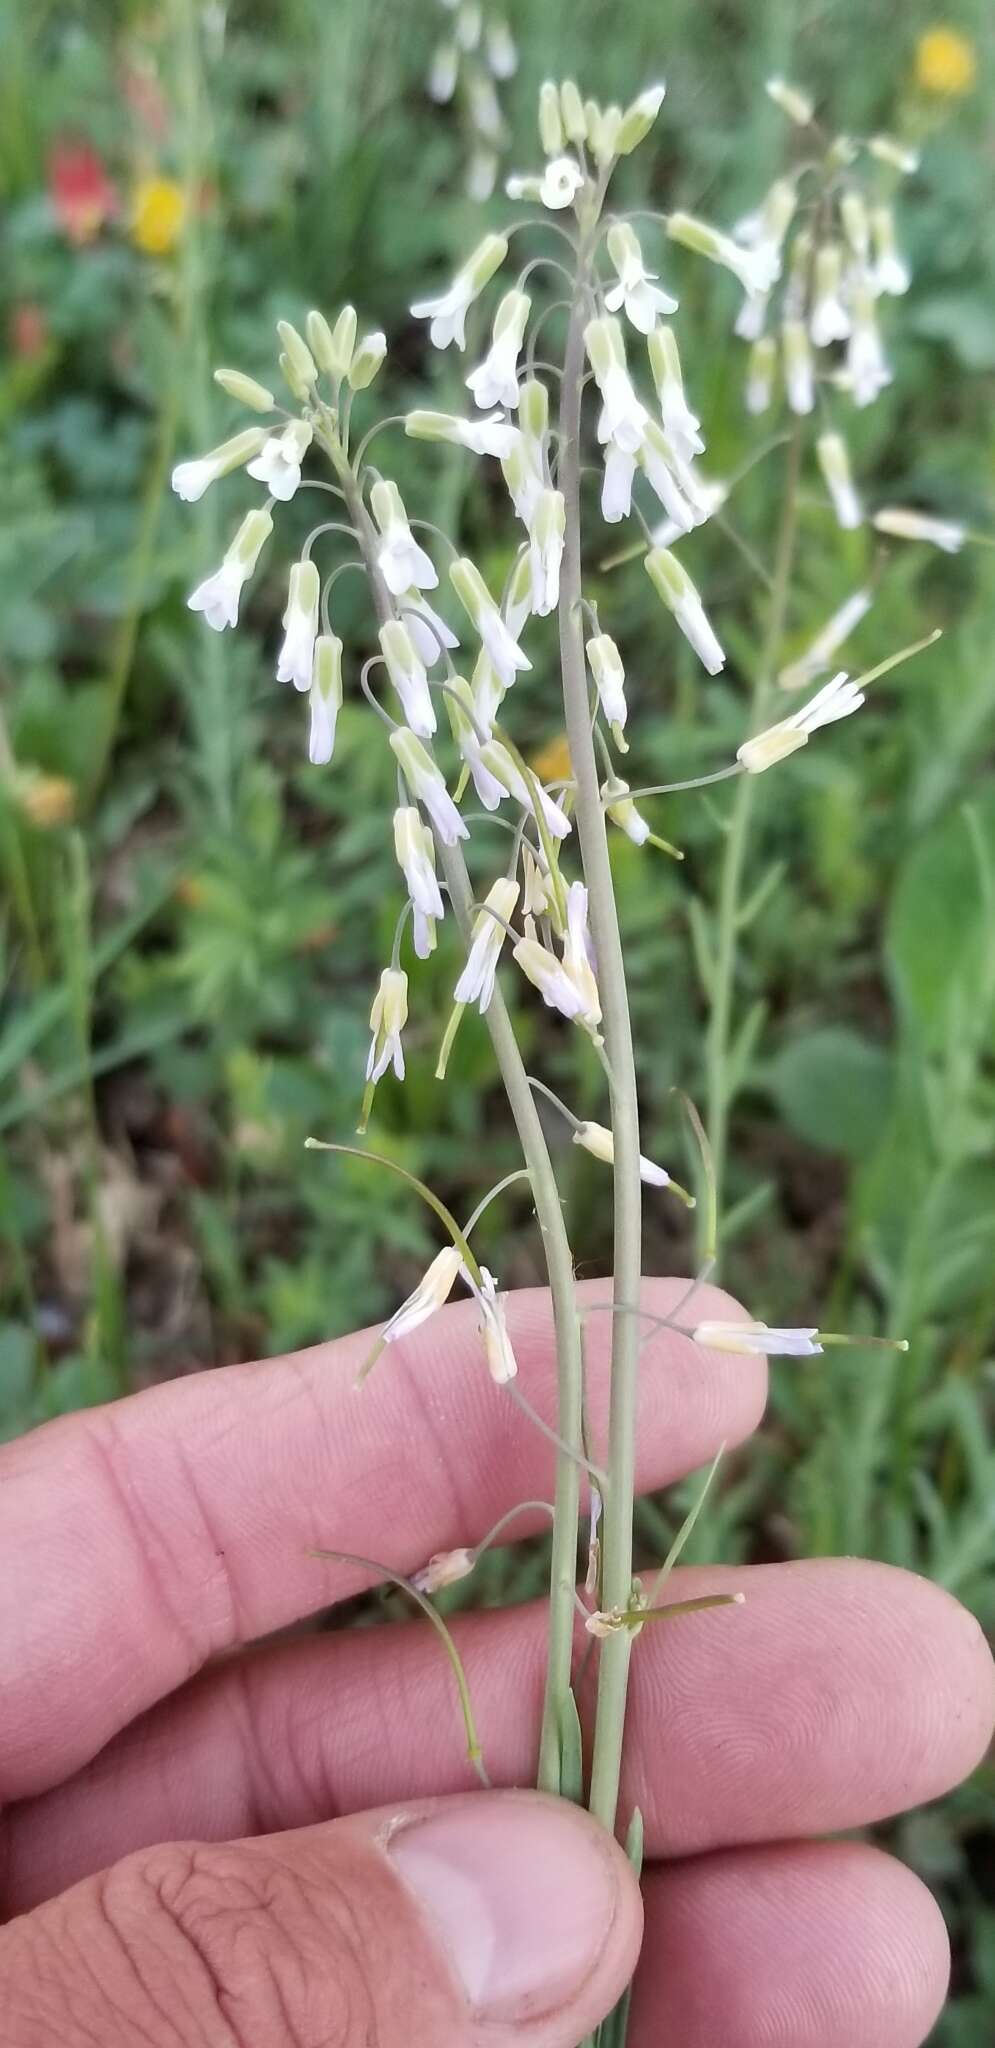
pixel 487 257
pixel 470 588
pixel 343 343
pixel 367 360
pixel 251 538
pixel 665 362
pixel 604 345
pixel 667 577
pixel 294 383
pixel 319 336
pixel 386 504
pixel 638 119
pixel 298 354
pixel 792 101
pixel 422 425
pixel 604 136
pixel 572 110
pixel 245 390
pixel 550 124
pixel 533 409
pixel 842 153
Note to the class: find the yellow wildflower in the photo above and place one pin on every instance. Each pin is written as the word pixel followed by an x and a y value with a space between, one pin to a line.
pixel 48 800
pixel 157 213
pixel 946 62
pixel 552 763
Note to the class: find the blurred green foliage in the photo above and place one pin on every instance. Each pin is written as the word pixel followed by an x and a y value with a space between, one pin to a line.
pixel 188 960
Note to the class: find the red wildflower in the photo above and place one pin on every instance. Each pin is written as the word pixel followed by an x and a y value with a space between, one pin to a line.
pixel 28 330
pixel 81 193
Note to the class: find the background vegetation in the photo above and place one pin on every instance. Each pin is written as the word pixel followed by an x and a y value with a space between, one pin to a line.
pixel 193 920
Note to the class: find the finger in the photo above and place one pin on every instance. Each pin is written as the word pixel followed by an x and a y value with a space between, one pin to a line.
pixel 826 1945
pixel 171 1527
pixel 839 1693
pixel 502 1918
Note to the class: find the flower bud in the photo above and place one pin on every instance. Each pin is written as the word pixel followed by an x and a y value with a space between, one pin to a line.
pixel 792 101
pixel 755 268
pixel 533 409
pixel 895 154
pixel 407 673
pixel 606 667
pixel 638 119
pixel 834 462
pixel 572 110
pixel 298 354
pixel 191 479
pixel 856 226
pixel 550 123
pixel 443 73
pixel 761 367
pixel 603 135
pixel 367 360
pixel 245 390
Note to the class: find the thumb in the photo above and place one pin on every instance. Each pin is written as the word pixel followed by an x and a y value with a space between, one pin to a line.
pixel 502 1918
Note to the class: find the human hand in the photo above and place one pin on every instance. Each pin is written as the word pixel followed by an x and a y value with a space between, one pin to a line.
pixel 210 1844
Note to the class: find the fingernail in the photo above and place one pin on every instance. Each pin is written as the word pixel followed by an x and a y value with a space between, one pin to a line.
pixel 522 1893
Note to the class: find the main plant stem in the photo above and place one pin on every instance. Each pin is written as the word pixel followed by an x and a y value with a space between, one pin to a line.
pixel 616 1583
pixel 556 1245
pixel 734 856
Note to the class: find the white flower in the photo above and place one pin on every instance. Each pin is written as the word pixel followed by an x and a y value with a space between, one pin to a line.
pixel 502 55
pixel 191 479
pixel 426 783
pixel 447 313
pixel 481 172
pixel 476 983
pixel 829 320
pixel 568 985
pixel 616 488
pixel 636 291
pixel 547 974
pixel 638 118
pixel 623 416
pixel 905 524
pixel 474 595
pixel 560 183
pixel 757 269
pixel 757 1339
pixel 834 463
pixel 578 952
pixel 546 534
pixel 500 764
pixel 430 635
pixel 680 423
pixel 218 596
pixel 496 380
pixel 891 273
pixel 763 232
pixel 501 1361
pixel 621 809
pixel 278 464
pixel 751 318
pixel 609 678
pixel 487 689
pixel 837 699
pixel 295 662
pixel 792 101
pixel 441 81
pixel 798 369
pixel 711 494
pixel 525 475
pixel 407 673
pixel 760 374
pixel 866 365
pixel 675 587
pixel 325 698
pixel 415 851
pixel 517 609
pixel 402 563
pixel 433 1290
pixel 597 1139
pixel 820 654
pixel 444 1569
pixel 387 1020
pixel 493 436
pixel 656 459
pixel 536 898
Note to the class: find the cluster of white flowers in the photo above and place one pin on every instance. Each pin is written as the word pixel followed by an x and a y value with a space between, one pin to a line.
pixel 475 56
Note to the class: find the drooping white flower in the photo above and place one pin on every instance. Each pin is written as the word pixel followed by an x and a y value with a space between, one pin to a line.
pixel 829 320
pixel 432 1292
pixel 792 101
pixel 598 1140
pixel 757 269
pixel 578 951
pixel 637 291
pixel 486 687
pixel 445 1568
pixel 799 379
pixel 682 427
pixel 837 699
pixel 891 273
pixel 245 390
pixel 568 985
pixel 763 232
pixel 502 55
pixel 430 635
pixel 278 464
pixel 403 564
pixel 476 983
pixel 623 416
pixel 501 1361
pixel 621 809
pixel 536 898
pixel 387 1020
pixel 758 1340
pixel 407 673
pixel 500 764
pixel 493 436
pixel 609 679
pixel 904 524
pixel 191 479
pixel 674 585
pixel 440 84
pixel 325 698
pixel 866 365
pixel 447 313
pixel 426 782
pixel 546 536
pixel 820 654
pixel 414 848
pixel 218 596
pixel 616 487
pixel 486 619
pixel 760 371
pixel 550 977
pixel 657 460
pixel 495 382
pixel 295 662
pixel 834 462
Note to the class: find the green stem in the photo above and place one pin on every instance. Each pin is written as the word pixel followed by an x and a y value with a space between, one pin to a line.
pixel 556 1245
pixel 734 854
pixel 616 1589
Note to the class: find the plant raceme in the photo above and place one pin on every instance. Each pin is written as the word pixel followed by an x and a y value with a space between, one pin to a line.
pixel 814 262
